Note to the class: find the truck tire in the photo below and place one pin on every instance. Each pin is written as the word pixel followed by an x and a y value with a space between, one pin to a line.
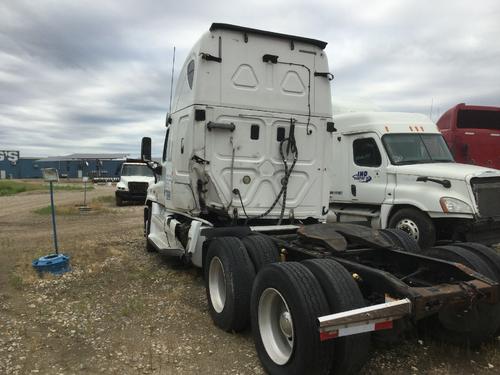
pixel 487 254
pixel 286 301
pixel 147 229
pixel 461 255
pixel 119 201
pixel 342 293
pixel 417 224
pixel 261 250
pixel 229 275
pixel 401 239
pixel 478 322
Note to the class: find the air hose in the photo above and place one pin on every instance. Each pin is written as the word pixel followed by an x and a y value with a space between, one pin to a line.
pixel 291 147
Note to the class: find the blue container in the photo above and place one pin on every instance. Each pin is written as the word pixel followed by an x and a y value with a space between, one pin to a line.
pixel 53 263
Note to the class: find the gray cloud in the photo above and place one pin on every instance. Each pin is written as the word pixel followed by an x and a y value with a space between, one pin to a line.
pixel 94 76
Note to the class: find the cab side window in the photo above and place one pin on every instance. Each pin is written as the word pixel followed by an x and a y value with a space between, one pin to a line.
pixel 366 153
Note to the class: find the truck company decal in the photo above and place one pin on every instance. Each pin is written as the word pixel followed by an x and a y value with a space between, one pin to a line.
pixel 12 156
pixel 362 176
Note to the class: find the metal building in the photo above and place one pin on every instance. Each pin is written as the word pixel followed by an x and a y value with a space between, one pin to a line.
pixel 69 166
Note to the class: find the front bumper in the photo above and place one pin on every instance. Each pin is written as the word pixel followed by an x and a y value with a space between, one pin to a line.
pixel 128 196
pixel 486 232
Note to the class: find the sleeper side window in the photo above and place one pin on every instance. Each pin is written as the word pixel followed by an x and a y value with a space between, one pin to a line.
pixel 165 145
pixel 366 153
pixel 190 73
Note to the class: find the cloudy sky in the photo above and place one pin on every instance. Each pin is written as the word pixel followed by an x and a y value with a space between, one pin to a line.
pixel 94 76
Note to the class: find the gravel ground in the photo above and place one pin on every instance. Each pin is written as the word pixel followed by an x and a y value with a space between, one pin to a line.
pixel 122 310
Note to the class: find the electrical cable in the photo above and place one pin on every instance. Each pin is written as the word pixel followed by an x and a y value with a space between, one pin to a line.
pixel 291 146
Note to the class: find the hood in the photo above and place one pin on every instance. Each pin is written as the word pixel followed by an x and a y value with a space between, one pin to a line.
pixel 455 171
pixel 127 179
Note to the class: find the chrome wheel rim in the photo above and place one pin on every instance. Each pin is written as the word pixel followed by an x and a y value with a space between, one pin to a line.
pixel 217 284
pixel 410 227
pixel 276 326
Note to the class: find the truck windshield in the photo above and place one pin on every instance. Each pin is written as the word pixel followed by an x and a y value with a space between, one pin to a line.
pixel 416 148
pixel 136 170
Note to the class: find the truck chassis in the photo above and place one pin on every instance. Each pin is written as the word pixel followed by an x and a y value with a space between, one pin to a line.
pixel 397 286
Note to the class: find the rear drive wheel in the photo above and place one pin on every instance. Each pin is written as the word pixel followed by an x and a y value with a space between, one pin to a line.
pixel 229 275
pixel 487 254
pixel 342 293
pixel 471 324
pixel 401 239
pixel 417 224
pixel 261 250
pixel 286 301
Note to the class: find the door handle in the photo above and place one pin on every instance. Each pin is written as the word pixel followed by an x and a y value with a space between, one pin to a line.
pixel 353 190
pixel 220 125
pixel 182 145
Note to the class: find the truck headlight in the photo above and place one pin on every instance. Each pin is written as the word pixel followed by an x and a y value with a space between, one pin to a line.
pixel 454 205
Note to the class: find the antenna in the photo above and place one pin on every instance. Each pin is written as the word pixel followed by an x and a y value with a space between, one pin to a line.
pixel 172 83
pixel 430 112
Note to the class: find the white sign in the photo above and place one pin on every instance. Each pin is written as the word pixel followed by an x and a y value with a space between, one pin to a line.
pixel 50 174
pixel 12 156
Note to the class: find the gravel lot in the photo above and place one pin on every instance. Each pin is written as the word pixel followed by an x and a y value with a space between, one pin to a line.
pixel 122 310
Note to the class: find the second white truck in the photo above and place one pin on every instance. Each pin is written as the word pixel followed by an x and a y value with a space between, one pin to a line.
pixel 135 179
pixel 396 171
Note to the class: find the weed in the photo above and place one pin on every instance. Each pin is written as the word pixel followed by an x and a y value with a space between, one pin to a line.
pixel 104 199
pixel 16 281
pixel 60 210
pixel 132 307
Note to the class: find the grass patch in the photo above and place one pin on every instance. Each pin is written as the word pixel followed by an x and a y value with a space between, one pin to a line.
pixel 132 307
pixel 77 187
pixel 16 281
pixel 10 187
pixel 106 199
pixel 15 187
pixel 97 205
pixel 60 210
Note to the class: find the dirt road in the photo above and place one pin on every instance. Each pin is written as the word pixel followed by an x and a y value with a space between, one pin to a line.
pixel 124 311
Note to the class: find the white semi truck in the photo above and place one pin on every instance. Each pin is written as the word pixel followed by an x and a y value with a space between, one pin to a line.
pixel 396 171
pixel 243 193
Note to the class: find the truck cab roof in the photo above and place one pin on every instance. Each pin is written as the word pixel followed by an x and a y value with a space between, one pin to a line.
pixel 236 66
pixel 384 122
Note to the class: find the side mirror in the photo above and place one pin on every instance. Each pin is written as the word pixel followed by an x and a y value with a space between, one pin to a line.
pixel 146 148
pixel 168 120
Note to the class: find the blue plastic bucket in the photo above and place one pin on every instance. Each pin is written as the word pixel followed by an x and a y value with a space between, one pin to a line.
pixel 53 263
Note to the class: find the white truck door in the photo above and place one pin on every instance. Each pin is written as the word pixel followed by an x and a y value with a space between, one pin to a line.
pixel 367 170
pixel 181 151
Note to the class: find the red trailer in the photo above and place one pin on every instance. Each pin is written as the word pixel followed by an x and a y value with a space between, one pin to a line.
pixel 473 134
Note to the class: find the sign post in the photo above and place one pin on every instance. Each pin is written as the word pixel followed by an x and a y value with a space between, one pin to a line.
pixel 50 175
pixel 54 263
pixel 85 179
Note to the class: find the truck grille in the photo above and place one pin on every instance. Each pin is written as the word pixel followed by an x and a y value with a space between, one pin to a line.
pixel 138 188
pixel 487 194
